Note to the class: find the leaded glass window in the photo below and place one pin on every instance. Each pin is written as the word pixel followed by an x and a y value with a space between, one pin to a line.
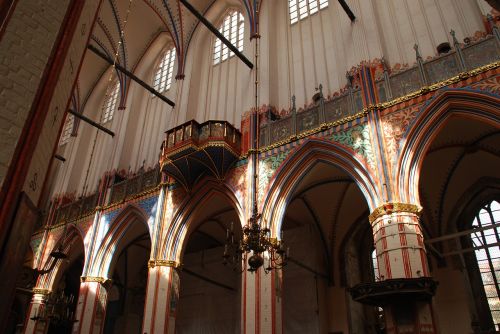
pixel 67 130
pixel 109 105
pixel 163 76
pixel 486 240
pixel 233 29
pixel 300 9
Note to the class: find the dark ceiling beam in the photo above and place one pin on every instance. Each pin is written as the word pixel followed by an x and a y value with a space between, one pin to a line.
pixel 91 122
pixel 130 75
pixel 217 33
pixel 347 10
pixel 59 157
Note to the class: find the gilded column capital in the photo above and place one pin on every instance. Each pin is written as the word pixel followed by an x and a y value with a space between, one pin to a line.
pixel 40 291
pixel 163 263
pixel 101 280
pixel 394 207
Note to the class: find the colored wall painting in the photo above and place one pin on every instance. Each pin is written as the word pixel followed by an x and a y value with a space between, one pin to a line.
pixel 35 246
pixel 491 85
pixel 84 226
pixel 150 205
pixel 394 126
pixel 174 291
pixel 358 139
pixel 267 169
pixel 178 195
pixel 110 216
pixel 236 180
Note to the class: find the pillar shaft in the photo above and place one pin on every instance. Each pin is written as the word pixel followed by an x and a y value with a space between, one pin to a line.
pixel 91 307
pixel 399 241
pixel 401 254
pixel 162 298
pixel 261 302
pixel 36 308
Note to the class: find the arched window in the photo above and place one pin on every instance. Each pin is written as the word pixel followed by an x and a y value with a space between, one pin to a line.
pixel 109 105
pixel 67 129
pixel 486 241
pixel 300 9
pixel 163 76
pixel 233 29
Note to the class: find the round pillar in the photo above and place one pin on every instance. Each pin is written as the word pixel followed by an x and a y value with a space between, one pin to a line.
pixel 162 297
pixel 404 288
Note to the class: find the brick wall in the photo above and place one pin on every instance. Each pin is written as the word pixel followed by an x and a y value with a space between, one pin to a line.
pixel 24 51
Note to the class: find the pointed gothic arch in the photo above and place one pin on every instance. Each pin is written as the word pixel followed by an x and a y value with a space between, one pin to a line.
pixel 312 152
pixel 176 236
pixel 428 124
pixel 107 250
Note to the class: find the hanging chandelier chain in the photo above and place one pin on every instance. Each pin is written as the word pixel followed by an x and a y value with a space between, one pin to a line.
pixel 266 251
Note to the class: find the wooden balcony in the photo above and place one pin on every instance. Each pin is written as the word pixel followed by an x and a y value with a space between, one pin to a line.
pixel 192 150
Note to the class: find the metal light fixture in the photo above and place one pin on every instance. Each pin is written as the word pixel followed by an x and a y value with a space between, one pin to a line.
pixel 258 241
pixel 266 251
pixel 57 309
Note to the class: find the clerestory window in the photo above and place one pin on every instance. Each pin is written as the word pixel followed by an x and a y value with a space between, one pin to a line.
pixel 486 241
pixel 67 129
pixel 109 105
pixel 163 77
pixel 233 29
pixel 300 9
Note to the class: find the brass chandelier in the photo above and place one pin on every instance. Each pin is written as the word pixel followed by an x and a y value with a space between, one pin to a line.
pixel 266 251
pixel 57 309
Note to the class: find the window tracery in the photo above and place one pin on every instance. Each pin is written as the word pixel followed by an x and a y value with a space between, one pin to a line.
pixel 163 77
pixel 110 102
pixel 233 29
pixel 486 240
pixel 67 129
pixel 300 9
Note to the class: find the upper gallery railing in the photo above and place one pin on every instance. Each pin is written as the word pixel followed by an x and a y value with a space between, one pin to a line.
pixel 193 133
pixel 388 87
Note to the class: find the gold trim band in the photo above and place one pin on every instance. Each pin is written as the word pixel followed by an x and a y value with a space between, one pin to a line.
pixel 394 207
pixel 40 291
pixel 163 263
pixel 87 279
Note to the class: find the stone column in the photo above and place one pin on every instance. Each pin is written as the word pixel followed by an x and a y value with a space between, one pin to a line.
pixel 403 269
pixel 91 307
pixel 162 297
pixel 35 322
pixel 261 308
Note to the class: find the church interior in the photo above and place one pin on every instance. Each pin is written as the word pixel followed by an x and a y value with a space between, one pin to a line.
pixel 250 166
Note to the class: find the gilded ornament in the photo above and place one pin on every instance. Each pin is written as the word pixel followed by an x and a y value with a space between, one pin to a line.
pixel 394 207
pixel 39 291
pixel 101 280
pixel 163 263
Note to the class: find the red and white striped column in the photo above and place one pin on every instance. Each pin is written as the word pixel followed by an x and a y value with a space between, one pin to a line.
pixel 261 302
pixel 399 242
pixel 401 254
pixel 91 306
pixel 162 297
pixel 36 322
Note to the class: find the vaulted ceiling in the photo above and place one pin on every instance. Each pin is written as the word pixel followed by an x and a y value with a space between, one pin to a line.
pixel 142 22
